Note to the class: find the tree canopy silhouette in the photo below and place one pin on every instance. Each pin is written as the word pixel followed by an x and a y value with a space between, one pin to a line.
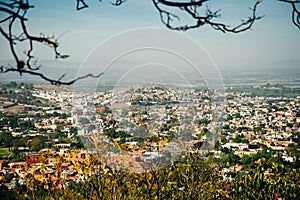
pixel 170 12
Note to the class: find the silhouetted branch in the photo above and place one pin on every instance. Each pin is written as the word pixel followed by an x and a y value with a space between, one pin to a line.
pixel 295 12
pixel 118 2
pixel 15 15
pixel 192 8
pixel 182 4
pixel 81 4
pixel 52 81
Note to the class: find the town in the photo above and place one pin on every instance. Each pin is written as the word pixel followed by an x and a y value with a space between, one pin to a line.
pixel 57 135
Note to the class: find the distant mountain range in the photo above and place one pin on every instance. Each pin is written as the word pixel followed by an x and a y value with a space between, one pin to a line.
pixel 252 76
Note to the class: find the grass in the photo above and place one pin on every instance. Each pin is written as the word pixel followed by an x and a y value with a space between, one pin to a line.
pixel 3 152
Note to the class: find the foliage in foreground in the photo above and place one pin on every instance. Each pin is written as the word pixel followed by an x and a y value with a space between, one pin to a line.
pixel 193 179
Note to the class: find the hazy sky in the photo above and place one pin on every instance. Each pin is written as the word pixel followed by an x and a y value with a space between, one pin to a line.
pixel 273 41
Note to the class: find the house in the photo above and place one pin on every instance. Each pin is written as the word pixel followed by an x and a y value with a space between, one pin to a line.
pixel 33 158
pixel 3 164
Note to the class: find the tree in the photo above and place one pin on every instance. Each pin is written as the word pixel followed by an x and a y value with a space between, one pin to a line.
pixel 6 139
pixel 55 134
pixel 91 127
pixel 6 193
pixel 15 14
pixel 230 159
pixel 36 144
pixel 261 185
pixel 84 120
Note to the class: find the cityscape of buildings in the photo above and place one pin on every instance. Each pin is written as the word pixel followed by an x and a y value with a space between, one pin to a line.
pixel 59 136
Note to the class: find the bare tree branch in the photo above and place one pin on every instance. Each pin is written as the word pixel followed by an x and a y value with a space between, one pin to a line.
pixel 295 12
pixel 182 4
pixel 52 81
pixel 118 2
pixel 198 11
pixel 192 8
pixel 81 5
pixel 15 15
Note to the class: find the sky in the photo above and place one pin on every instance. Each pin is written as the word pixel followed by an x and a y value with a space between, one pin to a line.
pixel 273 42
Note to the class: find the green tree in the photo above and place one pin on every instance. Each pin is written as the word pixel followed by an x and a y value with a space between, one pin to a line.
pixel 6 139
pixel 230 159
pixel 261 185
pixel 36 144
pixel 91 127
pixel 84 120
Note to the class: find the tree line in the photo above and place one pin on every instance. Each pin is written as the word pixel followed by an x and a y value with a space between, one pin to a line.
pixel 191 178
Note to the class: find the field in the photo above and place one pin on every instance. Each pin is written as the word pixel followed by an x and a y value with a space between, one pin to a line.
pixel 4 152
